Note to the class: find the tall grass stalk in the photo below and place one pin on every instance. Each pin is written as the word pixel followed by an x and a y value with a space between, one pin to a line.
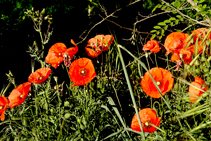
pixel 131 91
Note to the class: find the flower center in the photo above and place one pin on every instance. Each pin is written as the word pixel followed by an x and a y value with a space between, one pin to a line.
pixel 147 124
pixel 83 72
pixel 60 54
pixel 1 107
pixel 40 78
pixel 158 83
pixel 21 96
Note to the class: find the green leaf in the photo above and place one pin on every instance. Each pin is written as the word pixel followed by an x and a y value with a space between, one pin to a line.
pixel 157 27
pixel 168 9
pixel 179 16
pixel 176 21
pixel 165 27
pixel 163 8
pixel 172 18
pixel 167 21
pixel 161 23
pixel 152 31
pixel 162 31
pixel 153 36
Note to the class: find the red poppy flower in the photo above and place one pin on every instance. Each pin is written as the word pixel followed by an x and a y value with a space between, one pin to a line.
pixel 186 55
pixel 3 106
pixel 148 117
pixel 82 71
pixel 175 41
pixel 200 33
pixel 19 94
pixel 56 53
pixel 99 44
pixel 93 53
pixel 152 45
pixel 162 77
pixel 39 76
pixel 195 93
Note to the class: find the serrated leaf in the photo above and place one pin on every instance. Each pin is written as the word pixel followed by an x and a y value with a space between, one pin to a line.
pixel 157 27
pixel 172 18
pixel 152 31
pixel 161 23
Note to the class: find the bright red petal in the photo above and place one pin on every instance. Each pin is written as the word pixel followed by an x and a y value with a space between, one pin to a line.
pixel 39 76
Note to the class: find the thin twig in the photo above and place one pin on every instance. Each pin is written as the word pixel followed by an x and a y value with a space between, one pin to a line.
pixel 105 19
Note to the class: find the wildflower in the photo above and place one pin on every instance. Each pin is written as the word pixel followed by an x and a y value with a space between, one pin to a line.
pixel 195 93
pixel 81 71
pixel 3 106
pixel 148 117
pixel 19 94
pixel 175 41
pixel 93 53
pixel 39 76
pixel 152 45
pixel 56 53
pixel 98 44
pixel 162 77
pixel 200 33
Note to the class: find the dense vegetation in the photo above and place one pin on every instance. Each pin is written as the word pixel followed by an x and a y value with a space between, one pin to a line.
pixel 101 106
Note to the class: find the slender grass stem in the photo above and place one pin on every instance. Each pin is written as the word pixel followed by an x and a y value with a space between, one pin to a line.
pixel 143 65
pixel 131 91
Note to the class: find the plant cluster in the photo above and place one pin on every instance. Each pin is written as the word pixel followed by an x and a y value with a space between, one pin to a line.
pixel 171 101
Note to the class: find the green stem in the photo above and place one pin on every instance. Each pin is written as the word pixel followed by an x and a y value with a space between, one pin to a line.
pixel 131 91
pixel 143 65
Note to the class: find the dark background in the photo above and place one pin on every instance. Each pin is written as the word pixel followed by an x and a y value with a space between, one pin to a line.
pixel 70 20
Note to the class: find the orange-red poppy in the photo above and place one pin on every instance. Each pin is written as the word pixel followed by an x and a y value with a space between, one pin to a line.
pixel 151 45
pixel 19 94
pixel 3 106
pixel 195 93
pixel 186 55
pixel 56 53
pixel 98 44
pixel 93 53
pixel 175 41
pixel 162 77
pixel 81 71
pixel 39 76
pixel 200 33
pixel 148 117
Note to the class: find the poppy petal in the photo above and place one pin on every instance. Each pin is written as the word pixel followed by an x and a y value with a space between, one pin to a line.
pixel 162 77
pixel 81 71
pixel 19 94
pixel 39 76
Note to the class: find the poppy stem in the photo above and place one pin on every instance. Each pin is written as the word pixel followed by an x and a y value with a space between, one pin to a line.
pixel 144 66
pixel 156 60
